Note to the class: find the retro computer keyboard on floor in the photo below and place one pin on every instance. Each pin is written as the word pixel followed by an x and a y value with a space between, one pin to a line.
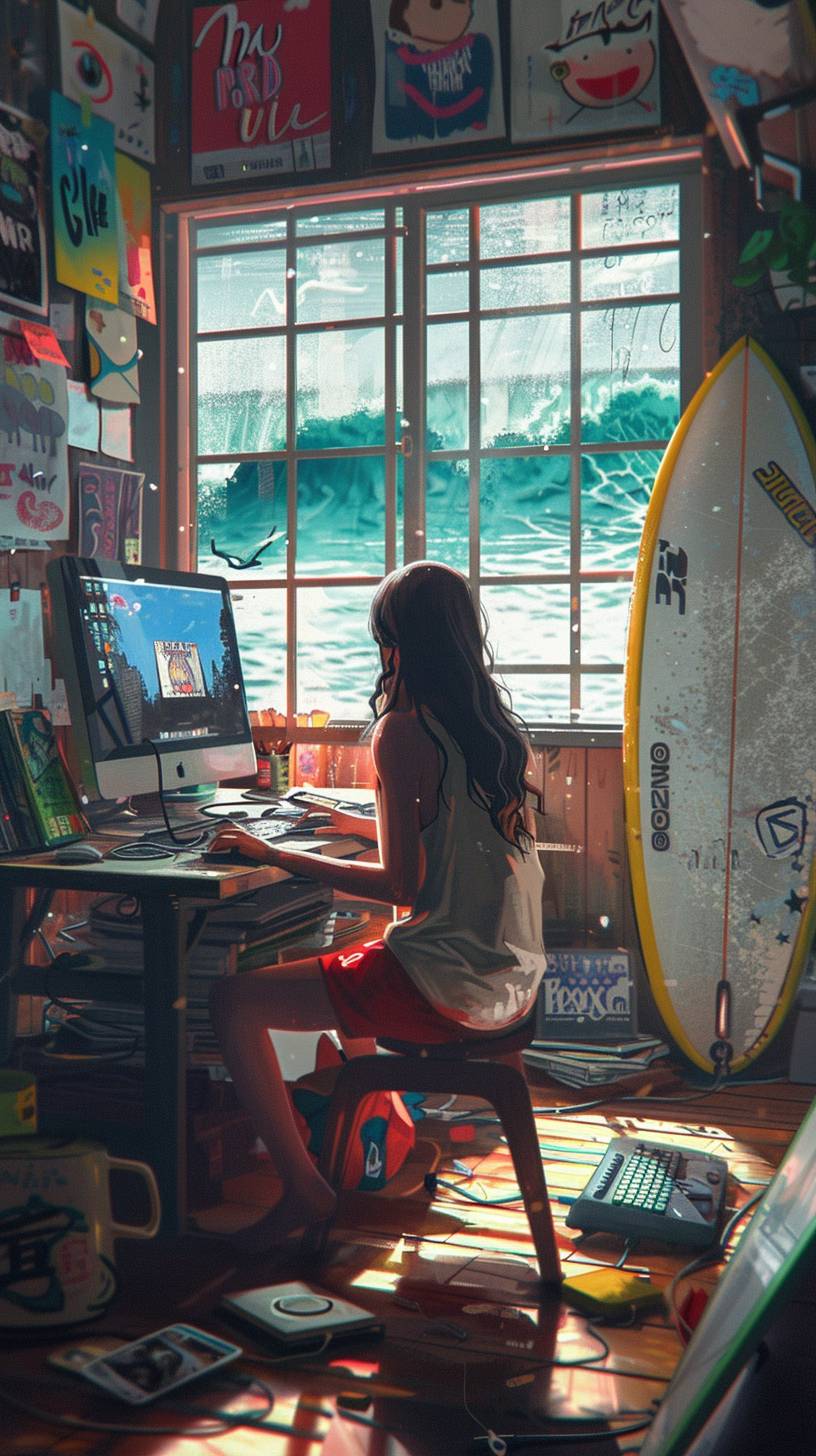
pixel 651 1190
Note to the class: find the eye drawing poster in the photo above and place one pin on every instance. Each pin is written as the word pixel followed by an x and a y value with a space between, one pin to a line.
pixel 109 77
pixel 577 69
pixel 438 73
pixel 23 272
pixel 261 89
pixel 84 206
pixel 33 445
pixel 136 291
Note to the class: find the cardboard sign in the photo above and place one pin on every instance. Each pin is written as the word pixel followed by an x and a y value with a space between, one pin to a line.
pixel 261 89
pixel 136 292
pixel 439 79
pixel 110 78
pixel 578 69
pixel 33 445
pixel 23 271
pixel 82 166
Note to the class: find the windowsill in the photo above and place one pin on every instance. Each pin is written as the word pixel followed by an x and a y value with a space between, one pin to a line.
pixel 567 735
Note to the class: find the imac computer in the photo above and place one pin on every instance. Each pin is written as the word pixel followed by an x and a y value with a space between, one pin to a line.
pixel 152 672
pixel 723 1392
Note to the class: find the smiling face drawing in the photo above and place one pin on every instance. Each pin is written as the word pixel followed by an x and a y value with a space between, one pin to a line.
pixel 605 68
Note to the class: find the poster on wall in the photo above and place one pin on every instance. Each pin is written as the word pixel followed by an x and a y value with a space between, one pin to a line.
pixel 261 89
pixel 438 70
pixel 586 68
pixel 23 270
pixel 110 513
pixel 33 445
pixel 136 291
pixel 83 188
pixel 113 353
pixel 140 16
pixel 109 77
pixel 743 52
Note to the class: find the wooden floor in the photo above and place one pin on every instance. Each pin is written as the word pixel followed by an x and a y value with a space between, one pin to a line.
pixel 455 1286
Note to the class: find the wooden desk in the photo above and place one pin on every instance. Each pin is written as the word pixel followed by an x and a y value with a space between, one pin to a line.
pixel 169 891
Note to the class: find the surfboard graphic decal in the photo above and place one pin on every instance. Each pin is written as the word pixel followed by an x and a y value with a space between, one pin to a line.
pixel 719 778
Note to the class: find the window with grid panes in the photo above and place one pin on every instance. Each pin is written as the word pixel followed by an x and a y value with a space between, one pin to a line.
pixel 489 383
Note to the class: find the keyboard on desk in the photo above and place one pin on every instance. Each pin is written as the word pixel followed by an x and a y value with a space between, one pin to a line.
pixel 652 1190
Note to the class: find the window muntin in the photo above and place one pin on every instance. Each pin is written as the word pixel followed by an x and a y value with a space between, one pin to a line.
pixel 547 407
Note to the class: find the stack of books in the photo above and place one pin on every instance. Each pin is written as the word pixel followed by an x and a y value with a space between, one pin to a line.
pixel 594 1063
pixel 38 803
pixel 236 936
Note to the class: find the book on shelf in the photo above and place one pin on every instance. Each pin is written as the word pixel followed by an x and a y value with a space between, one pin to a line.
pixel 38 794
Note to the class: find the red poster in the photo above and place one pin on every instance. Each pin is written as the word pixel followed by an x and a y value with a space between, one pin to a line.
pixel 261 89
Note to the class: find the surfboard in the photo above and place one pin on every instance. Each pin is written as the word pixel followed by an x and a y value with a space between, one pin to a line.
pixel 720 713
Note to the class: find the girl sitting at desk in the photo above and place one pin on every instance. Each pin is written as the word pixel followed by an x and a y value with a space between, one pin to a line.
pixel 456 840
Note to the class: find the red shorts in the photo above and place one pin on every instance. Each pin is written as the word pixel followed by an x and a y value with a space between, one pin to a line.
pixel 373 995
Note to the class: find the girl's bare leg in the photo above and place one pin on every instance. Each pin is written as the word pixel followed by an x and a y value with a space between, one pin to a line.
pixel 289 997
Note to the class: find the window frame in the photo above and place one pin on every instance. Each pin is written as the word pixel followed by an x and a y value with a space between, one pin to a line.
pixel 418 193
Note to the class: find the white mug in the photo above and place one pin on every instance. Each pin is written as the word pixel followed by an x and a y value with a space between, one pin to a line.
pixel 56 1230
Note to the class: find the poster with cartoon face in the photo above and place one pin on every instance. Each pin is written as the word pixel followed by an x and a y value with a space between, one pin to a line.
pixel 33 445
pixel 591 67
pixel 108 76
pixel 439 77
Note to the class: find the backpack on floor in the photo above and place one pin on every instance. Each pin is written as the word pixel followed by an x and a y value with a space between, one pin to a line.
pixel 382 1133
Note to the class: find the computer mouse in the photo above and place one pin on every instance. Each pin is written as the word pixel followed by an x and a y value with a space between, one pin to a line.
pixel 80 853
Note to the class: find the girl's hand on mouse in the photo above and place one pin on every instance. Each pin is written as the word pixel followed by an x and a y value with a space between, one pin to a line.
pixel 243 843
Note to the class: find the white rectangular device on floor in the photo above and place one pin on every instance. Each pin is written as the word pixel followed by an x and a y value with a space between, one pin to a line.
pixel 296 1314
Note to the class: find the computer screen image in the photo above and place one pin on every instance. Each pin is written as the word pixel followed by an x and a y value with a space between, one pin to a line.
pixel 151 664
pixel 775 1254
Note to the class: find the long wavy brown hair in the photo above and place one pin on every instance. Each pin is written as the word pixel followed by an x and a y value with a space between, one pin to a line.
pixel 427 611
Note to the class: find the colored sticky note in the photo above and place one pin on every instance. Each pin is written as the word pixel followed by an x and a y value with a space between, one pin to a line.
pixel 43 342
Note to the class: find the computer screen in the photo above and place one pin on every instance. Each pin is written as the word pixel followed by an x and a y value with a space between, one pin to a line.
pixel 151 665
pixel 764 1271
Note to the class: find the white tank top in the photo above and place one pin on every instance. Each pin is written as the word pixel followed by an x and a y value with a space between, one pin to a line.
pixel 473 944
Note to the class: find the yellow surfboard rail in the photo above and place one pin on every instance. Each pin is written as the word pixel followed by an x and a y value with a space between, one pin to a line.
pixel 631 727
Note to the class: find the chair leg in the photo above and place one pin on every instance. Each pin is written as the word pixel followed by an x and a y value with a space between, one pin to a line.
pixel 511 1098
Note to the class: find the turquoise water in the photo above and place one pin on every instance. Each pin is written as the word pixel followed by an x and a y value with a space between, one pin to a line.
pixel 524 506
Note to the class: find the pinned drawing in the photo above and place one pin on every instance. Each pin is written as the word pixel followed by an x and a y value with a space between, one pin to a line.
pixel 108 77
pixel 85 245
pixel 139 16
pixel 113 353
pixel 33 445
pixel 136 291
pixel 23 271
pixel 438 73
pixel 585 68
pixel 261 89
pixel 110 513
